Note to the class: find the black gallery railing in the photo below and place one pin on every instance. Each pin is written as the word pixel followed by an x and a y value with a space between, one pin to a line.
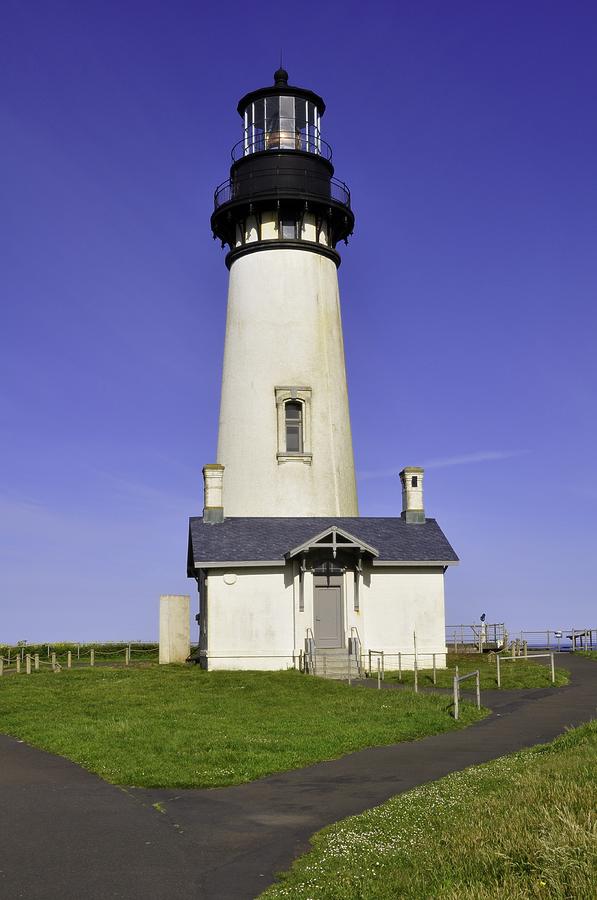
pixel 282 140
pixel 281 183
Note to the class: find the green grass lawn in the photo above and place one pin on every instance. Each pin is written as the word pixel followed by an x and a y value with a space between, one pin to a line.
pixel 523 826
pixel 590 654
pixel 514 674
pixel 178 726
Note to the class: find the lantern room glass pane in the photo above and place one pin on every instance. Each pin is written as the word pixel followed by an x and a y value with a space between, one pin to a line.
pixel 311 128
pixel 300 122
pixel 256 139
pixel 272 123
pixel 288 137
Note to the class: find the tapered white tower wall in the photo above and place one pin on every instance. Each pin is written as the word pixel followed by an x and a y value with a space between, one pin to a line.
pixel 284 339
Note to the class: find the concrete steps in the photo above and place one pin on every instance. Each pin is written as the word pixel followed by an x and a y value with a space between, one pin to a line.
pixel 335 664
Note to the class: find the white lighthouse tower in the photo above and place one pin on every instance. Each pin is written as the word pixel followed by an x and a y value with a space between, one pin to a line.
pixel 288 573
pixel 284 438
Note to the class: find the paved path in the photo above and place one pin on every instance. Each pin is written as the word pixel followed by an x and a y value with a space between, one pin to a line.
pixel 66 834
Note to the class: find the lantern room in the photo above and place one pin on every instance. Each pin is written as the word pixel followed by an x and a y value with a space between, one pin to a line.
pixel 281 192
pixel 281 118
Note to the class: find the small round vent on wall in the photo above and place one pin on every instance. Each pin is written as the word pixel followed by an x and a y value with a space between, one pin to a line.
pixel 229 578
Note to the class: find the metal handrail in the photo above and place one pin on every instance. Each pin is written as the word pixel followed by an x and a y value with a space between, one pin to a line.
pixel 356 647
pixel 457 681
pixel 266 143
pixel 310 649
pixel 241 188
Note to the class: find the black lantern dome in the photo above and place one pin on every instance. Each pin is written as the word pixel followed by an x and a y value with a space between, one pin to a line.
pixel 282 166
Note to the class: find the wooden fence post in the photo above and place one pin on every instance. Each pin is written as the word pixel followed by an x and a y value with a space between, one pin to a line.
pixel 92 657
pixel 525 647
pixel 1 665
pixel 53 660
pixel 28 664
pixel 127 656
pixel 499 679
pixel 69 660
pixel 18 663
pixel 36 662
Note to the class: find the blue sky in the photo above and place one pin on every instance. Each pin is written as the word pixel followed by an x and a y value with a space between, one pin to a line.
pixel 467 134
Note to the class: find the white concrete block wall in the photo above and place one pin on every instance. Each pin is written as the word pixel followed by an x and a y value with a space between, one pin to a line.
pixel 396 603
pixel 175 628
pixel 251 619
pixel 255 620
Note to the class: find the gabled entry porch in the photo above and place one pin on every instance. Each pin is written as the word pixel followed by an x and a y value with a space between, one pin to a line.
pixel 330 557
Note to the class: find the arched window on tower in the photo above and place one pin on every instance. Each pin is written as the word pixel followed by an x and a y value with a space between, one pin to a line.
pixel 293 417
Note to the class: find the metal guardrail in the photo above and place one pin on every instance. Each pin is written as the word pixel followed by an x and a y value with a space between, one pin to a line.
pixel 499 659
pixel 310 651
pixel 282 140
pixel 355 648
pixel 559 638
pixel 458 679
pixel 262 183
pixel 477 634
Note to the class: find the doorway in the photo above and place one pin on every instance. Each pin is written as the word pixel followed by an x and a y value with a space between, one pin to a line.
pixel 327 608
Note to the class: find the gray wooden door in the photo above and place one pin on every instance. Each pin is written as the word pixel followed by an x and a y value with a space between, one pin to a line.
pixel 327 604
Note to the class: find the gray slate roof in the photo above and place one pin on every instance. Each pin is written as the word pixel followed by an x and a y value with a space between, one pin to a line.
pixel 260 539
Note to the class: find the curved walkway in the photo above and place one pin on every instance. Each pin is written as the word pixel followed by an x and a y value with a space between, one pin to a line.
pixel 65 833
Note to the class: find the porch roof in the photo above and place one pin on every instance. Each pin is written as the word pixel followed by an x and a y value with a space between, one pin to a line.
pixel 264 541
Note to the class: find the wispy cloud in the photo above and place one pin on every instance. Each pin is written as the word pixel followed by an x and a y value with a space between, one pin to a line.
pixel 464 459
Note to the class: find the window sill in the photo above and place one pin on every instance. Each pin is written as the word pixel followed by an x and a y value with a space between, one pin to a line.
pixel 289 456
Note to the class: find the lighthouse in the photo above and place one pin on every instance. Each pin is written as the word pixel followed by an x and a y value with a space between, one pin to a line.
pixel 284 439
pixel 288 573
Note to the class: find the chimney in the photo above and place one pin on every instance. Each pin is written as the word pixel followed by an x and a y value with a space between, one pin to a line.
pixel 412 494
pixel 213 486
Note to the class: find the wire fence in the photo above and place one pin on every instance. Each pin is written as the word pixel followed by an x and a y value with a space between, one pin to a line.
pixel 30 658
pixel 560 639
pixel 79 650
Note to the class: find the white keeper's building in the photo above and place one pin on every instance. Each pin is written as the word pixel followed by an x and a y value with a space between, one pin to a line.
pixel 283 562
